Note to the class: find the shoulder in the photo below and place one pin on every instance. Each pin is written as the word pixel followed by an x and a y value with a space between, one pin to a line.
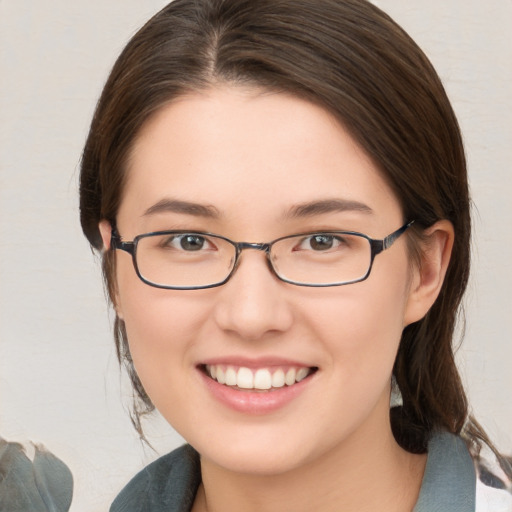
pixel 170 483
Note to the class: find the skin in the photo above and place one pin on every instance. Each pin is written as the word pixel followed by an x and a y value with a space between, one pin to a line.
pixel 252 156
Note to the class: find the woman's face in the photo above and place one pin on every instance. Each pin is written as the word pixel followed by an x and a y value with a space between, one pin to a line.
pixel 263 165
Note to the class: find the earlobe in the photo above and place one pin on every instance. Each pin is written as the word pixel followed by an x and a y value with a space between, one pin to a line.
pixel 435 253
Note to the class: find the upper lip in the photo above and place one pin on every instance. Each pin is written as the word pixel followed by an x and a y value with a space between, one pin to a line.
pixel 259 362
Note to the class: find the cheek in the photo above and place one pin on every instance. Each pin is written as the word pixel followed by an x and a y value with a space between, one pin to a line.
pixel 162 325
pixel 158 325
pixel 162 333
pixel 362 328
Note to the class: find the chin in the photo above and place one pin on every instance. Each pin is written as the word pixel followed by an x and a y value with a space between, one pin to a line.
pixel 254 459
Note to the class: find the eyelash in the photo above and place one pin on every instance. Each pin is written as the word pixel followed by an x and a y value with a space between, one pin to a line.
pixel 168 242
pixel 338 241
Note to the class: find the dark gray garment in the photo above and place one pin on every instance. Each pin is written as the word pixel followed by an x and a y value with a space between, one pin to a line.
pixel 167 485
pixel 449 483
pixel 170 483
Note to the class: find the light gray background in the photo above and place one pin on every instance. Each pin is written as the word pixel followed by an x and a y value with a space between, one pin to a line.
pixel 59 381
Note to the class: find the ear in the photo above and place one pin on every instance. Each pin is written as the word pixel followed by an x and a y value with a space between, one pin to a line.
pixel 428 276
pixel 106 232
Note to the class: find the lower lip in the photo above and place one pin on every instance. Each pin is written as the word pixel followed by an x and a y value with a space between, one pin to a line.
pixel 255 402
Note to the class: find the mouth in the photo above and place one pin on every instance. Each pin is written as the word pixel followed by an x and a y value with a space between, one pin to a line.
pixel 262 379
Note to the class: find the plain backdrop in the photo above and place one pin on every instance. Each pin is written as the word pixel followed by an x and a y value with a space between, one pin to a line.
pixel 59 379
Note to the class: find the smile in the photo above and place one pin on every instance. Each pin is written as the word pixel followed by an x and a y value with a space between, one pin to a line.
pixel 261 379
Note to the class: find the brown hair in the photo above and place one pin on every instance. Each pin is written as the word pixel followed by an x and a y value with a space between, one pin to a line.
pixel 352 59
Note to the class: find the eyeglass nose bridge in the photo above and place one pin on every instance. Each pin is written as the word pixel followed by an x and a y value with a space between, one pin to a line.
pixel 241 246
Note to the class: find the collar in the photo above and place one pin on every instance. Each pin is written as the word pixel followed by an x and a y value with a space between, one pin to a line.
pixel 449 482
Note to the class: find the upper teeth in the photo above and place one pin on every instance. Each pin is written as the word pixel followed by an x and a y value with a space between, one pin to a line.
pixel 262 378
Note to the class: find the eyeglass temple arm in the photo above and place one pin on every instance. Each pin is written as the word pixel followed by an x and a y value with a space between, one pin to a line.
pixel 117 243
pixel 381 245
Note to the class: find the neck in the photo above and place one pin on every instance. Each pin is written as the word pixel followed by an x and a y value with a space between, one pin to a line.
pixel 366 473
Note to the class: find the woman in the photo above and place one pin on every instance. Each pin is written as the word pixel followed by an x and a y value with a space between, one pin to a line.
pixel 317 133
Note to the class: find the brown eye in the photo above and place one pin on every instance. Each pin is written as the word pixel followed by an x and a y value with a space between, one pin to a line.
pixel 192 242
pixel 188 242
pixel 321 242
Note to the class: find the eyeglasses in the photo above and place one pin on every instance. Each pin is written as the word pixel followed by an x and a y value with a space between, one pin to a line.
pixel 190 260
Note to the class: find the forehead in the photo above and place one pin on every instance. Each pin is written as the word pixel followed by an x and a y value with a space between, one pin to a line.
pixel 248 151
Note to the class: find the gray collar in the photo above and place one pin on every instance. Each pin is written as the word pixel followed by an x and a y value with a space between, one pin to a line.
pixel 449 483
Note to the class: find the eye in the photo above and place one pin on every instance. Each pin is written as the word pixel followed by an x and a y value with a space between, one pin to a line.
pixel 188 242
pixel 320 242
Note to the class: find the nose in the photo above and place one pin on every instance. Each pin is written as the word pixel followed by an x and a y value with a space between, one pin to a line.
pixel 254 302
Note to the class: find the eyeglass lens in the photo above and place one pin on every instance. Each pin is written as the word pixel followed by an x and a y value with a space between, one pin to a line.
pixel 196 260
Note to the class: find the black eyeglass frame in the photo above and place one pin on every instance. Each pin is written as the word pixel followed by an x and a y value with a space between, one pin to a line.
pixel 376 247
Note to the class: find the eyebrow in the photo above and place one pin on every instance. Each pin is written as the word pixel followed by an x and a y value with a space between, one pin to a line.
pixel 176 206
pixel 302 210
pixel 313 208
